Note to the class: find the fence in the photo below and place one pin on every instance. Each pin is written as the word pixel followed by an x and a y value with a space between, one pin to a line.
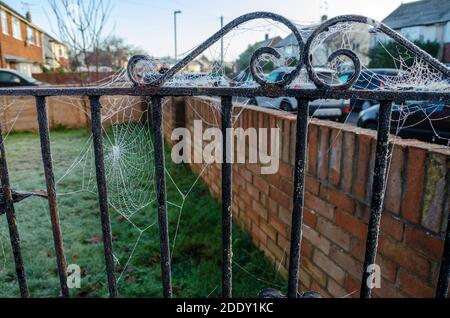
pixel 337 187
pixel 156 91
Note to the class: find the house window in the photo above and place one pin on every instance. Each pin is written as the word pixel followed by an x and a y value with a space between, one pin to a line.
pixel 38 39
pixel 30 35
pixel 4 19
pixel 16 28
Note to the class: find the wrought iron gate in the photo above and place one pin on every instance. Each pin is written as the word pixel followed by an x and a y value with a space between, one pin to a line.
pixel 156 90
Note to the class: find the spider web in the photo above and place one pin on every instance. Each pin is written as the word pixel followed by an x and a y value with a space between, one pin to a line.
pixel 128 144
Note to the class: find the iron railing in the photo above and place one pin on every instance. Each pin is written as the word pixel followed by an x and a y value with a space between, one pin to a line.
pixel 157 91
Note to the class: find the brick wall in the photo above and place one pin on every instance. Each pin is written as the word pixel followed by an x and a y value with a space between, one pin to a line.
pixel 20 115
pixel 337 198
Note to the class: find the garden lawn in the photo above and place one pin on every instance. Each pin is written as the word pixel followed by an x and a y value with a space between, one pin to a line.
pixel 196 261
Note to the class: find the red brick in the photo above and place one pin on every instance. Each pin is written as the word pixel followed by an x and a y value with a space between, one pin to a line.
pixel 312 149
pixel 323 156
pixel 272 206
pixel 420 240
pixel 278 225
pixel 285 170
pixel 260 209
pixel 346 261
pixel 340 199
pixel 352 286
pixel 315 272
pixel 254 192
pixel 388 268
pixel 336 290
pixel 287 187
pixel 404 256
pixel 305 280
pixel 358 248
pixel 316 239
pixel 414 286
pixel 285 215
pixel 269 230
pixel 415 173
pixel 362 166
pixel 259 234
pixel 392 227
pixel 334 233
pixel 309 217
pixel 285 140
pixel 316 287
pixel 306 249
pixel 318 205
pixel 387 290
pixel 312 185
pixel 283 242
pixel 282 198
pixel 261 184
pixel 435 192
pixel 393 196
pixel 348 161
pixel 327 265
pixel 351 224
pixel 245 173
pixel 335 156
pixel 273 180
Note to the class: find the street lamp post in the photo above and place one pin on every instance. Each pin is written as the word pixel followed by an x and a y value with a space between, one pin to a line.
pixel 175 31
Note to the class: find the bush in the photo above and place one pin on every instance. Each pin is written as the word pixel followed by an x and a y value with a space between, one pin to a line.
pixel 381 56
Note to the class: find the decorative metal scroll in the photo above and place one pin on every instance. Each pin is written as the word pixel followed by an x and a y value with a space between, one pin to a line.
pixel 304 53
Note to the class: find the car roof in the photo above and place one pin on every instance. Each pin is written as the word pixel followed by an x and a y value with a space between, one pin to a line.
pixel 8 70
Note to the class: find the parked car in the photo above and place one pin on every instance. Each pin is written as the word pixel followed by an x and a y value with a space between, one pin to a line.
pixel 333 109
pixel 12 78
pixel 426 121
pixel 370 79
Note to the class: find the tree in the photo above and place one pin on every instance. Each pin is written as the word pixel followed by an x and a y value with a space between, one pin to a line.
pixel 387 55
pixel 80 25
pixel 113 52
pixel 245 57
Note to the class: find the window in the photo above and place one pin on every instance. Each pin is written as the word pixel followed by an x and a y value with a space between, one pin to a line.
pixel 16 28
pixel 38 39
pixel 4 20
pixel 30 35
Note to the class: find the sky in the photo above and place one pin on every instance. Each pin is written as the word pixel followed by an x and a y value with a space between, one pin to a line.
pixel 148 24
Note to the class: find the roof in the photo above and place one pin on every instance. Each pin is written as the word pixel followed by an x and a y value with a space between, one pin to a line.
pixel 270 42
pixel 425 12
pixel 17 14
pixel 305 32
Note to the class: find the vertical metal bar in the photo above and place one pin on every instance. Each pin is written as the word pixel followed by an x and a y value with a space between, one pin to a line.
pixel 161 197
pixel 11 218
pixel 378 192
pixel 51 192
pixel 96 123
pixel 444 273
pixel 298 197
pixel 226 198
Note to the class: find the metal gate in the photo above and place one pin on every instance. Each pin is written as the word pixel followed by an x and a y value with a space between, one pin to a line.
pixel 156 91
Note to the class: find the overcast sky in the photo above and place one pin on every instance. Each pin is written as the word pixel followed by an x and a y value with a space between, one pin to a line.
pixel 149 23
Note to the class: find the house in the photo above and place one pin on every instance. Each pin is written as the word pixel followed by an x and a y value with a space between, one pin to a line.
pixel 270 42
pixel 56 54
pixel 426 20
pixel 358 40
pixel 20 42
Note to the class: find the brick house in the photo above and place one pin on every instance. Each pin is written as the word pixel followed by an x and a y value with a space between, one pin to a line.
pixel 55 52
pixel 426 20
pixel 20 42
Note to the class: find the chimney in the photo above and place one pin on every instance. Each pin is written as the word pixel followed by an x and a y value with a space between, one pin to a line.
pixel 28 16
pixel 267 36
pixel 324 18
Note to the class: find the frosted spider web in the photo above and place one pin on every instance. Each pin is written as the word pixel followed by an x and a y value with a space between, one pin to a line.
pixel 128 146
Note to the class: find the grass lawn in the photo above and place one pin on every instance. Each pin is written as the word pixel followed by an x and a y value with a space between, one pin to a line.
pixel 197 254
